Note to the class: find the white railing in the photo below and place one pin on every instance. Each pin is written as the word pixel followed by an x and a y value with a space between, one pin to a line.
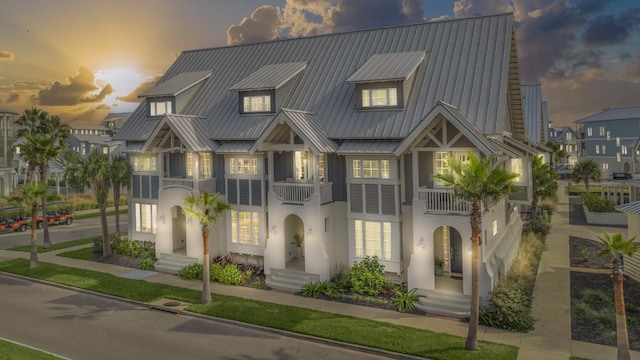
pixel 442 200
pixel 300 192
pixel 191 184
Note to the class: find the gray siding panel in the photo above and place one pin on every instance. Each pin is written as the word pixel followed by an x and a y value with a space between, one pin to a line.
pixel 337 175
pixel 283 166
pixel 135 186
pixel 232 191
pixel 355 203
pixel 408 179
pixel 256 192
pixel 388 197
pixel 372 199
pixel 243 186
pixel 146 191
pixel 219 173
pixel 155 186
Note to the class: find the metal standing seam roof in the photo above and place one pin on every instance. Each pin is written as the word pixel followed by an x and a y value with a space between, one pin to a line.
pixel 233 147
pixel 532 108
pixel 176 84
pixel 93 139
pixel 364 147
pixel 269 77
pixel 191 130
pixel 387 67
pixel 630 208
pixel 632 112
pixel 468 65
pixel 8 112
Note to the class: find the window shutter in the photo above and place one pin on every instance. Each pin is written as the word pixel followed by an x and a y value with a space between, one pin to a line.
pixel 244 192
pixel 388 199
pixel 232 191
pixel 371 193
pixel 355 194
pixel 135 186
pixel 146 192
pixel 256 192
pixel 155 185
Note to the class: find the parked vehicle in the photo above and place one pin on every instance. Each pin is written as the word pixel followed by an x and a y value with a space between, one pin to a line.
pixel 12 219
pixel 57 213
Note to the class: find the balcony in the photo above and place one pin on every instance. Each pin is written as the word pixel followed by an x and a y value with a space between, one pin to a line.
pixel 200 185
pixel 300 193
pixel 442 201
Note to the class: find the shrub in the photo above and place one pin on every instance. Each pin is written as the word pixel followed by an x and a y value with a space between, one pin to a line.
pixel 629 307
pixel 598 299
pixel 596 203
pixel 331 289
pixel 223 260
pixel 97 244
pixel 632 321
pixel 548 204
pixel 147 263
pixel 538 227
pixel 509 309
pixel 231 275
pixel 585 255
pixel 342 280
pixel 311 289
pixel 214 271
pixel 191 272
pixel 404 299
pixel 126 247
pixel 367 276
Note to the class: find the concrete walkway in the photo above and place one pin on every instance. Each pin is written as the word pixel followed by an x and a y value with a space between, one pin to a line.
pixel 550 340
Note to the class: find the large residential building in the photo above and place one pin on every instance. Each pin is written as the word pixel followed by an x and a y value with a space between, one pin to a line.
pixel 8 175
pixel 569 143
pixel 609 138
pixel 334 140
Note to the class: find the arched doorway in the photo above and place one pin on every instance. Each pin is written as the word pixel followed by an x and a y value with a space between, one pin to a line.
pixel 447 247
pixel 627 167
pixel 179 226
pixel 294 243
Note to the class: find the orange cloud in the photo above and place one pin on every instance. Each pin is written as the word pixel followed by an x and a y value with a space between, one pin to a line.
pixel 76 91
pixel 6 56
pixel 133 96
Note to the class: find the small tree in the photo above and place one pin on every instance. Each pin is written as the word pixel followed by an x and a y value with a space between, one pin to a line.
pixel 615 246
pixel 31 195
pixel 120 178
pixel 544 183
pixel 557 154
pixel 205 208
pixel 584 171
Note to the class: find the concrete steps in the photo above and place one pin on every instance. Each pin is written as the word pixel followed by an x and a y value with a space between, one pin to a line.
pixel 172 263
pixel 289 280
pixel 445 303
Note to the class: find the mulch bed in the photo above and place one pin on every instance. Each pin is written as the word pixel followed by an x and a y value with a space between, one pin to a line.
pixel 120 260
pixel 589 329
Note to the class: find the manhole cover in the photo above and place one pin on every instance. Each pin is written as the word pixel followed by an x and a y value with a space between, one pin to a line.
pixel 172 303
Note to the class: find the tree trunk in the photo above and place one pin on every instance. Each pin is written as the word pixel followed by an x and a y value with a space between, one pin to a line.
pixel 106 241
pixel 621 317
pixel 46 238
pixel 206 281
pixel 534 208
pixel 116 205
pixel 586 185
pixel 474 313
pixel 33 257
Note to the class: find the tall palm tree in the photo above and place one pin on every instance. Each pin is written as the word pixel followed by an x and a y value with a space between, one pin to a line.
pixel 586 170
pixel 31 194
pixel 205 208
pixel 95 173
pixel 544 183
pixel 120 178
pixel 615 246
pixel 557 154
pixel 56 129
pixel 29 124
pixel 478 183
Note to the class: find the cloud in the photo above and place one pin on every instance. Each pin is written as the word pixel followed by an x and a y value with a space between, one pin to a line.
pixel 351 15
pixel 133 96
pixel 76 91
pixel 468 8
pixel 6 56
pixel 13 98
pixel 610 29
pixel 261 26
pixel 102 107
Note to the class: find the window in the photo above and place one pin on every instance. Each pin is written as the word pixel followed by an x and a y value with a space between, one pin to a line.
pixel 144 162
pixel 146 218
pixel 105 150
pixel 608 135
pixel 618 156
pixel 243 166
pixel 256 103
pixel 624 150
pixel 379 97
pixel 516 167
pixel 321 169
pixel 373 238
pixel 605 166
pixel 604 149
pixel 245 227
pixel 205 165
pixel 618 141
pixel 188 158
pixel 597 149
pixel 371 169
pixel 568 136
pixel 601 130
pixel 157 108
pixel 495 227
pixel 301 163
pixel 589 132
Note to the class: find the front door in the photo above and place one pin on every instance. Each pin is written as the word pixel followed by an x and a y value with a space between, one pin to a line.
pixel 456 251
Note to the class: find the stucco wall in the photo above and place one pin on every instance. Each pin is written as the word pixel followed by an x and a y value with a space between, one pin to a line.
pixel 595 218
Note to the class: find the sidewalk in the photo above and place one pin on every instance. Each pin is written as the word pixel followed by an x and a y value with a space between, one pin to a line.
pixel 550 340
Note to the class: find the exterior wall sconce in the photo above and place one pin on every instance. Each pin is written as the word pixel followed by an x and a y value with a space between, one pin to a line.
pixel 273 229
pixel 162 218
pixel 310 231
pixel 421 244
pixel 189 220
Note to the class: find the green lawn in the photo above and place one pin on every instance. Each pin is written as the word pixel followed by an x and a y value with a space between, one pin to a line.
pixel 300 320
pixel 80 254
pixel 64 245
pixel 11 351
pixel 96 213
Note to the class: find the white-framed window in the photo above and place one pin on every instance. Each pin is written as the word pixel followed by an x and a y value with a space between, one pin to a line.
pixel 105 150
pixel 379 97
pixel 245 227
pixel 188 158
pixel 322 174
pixel 243 166
pixel 516 168
pixel 143 162
pixel 205 165
pixel 572 161
pixel 608 135
pixel 624 150
pixel 601 131
pixel 371 169
pixel 589 131
pixel 597 149
pixel 605 166
pixel 568 136
pixel 617 140
pixel 495 226
pixel 604 149
pixel 373 238
pixel 157 108
pixel 256 103
pixel 618 157
pixel 146 215
pixel 301 164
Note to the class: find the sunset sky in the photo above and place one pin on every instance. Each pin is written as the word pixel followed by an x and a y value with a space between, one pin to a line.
pixel 81 59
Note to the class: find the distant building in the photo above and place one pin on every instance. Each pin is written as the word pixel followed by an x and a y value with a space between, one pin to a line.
pixel 609 137
pixel 569 142
pixel 7 139
pixel 86 138
pixel 114 121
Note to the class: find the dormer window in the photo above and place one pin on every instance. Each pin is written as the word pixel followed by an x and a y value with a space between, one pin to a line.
pixel 160 107
pixel 385 95
pixel 257 102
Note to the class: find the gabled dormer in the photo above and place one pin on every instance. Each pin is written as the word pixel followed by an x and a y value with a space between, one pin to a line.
pixel 263 91
pixel 384 81
pixel 172 96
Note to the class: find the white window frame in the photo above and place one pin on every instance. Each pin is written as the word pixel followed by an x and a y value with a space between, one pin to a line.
pixel 206 165
pixel 301 165
pixel 597 149
pixel 143 163
pixel 601 131
pixel 617 140
pixel 188 159
pixel 371 168
pixel 243 166
pixel 589 131
pixel 624 150
pixel 379 97
pixel 604 148
pixel 516 167
pixel 618 156
pixel 146 218
pixel 256 103
pixel 322 171
pixel 372 238
pixel 494 226
pixel 245 231
pixel 160 107
pixel 605 166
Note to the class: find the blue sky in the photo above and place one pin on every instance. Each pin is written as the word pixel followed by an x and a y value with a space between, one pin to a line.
pixel 81 59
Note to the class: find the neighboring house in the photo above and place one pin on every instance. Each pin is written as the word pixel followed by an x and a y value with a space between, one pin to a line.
pixel 7 139
pixel 632 209
pixel 114 121
pixel 609 137
pixel 569 142
pixel 334 139
pixel 86 138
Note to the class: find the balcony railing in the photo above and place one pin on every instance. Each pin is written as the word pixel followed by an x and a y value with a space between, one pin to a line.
pixel 299 193
pixel 201 185
pixel 442 201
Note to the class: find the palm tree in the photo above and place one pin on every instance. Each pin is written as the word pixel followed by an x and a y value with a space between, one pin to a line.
pixel 120 178
pixel 585 170
pixel 31 194
pixel 476 182
pixel 557 154
pixel 29 124
pixel 544 183
pixel 56 129
pixel 615 246
pixel 95 173
pixel 206 208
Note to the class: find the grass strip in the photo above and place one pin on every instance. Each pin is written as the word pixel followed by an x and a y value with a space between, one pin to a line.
pixel 58 246
pixel 349 329
pixel 80 254
pixel 10 351
pixel 92 214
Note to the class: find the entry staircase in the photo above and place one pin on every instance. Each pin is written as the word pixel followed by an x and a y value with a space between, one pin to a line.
pixel 289 280
pixel 172 263
pixel 446 303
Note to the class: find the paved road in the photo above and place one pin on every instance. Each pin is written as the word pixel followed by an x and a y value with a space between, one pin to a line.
pixel 77 325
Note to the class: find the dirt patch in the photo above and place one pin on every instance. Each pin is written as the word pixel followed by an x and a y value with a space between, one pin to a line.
pixel 120 260
pixel 584 253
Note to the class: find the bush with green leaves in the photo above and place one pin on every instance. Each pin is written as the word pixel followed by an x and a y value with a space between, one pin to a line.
pixel 147 263
pixel 596 203
pixel 367 276
pixel 405 299
pixel 509 309
pixel 231 275
pixel 191 272
pixel 311 289
pixel 539 227
pixel 126 247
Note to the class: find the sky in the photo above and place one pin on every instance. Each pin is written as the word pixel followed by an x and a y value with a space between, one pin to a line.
pixel 82 59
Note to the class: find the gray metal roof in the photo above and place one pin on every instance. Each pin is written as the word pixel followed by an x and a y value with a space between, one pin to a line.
pixel 134 146
pixel 270 77
pixel 191 130
pixel 506 149
pixel 176 84
pixel 468 65
pixel 92 139
pixel 8 112
pixel 532 108
pixel 526 148
pixel 364 147
pixel 630 208
pixel 233 147
pixel 386 67
pixel 632 112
